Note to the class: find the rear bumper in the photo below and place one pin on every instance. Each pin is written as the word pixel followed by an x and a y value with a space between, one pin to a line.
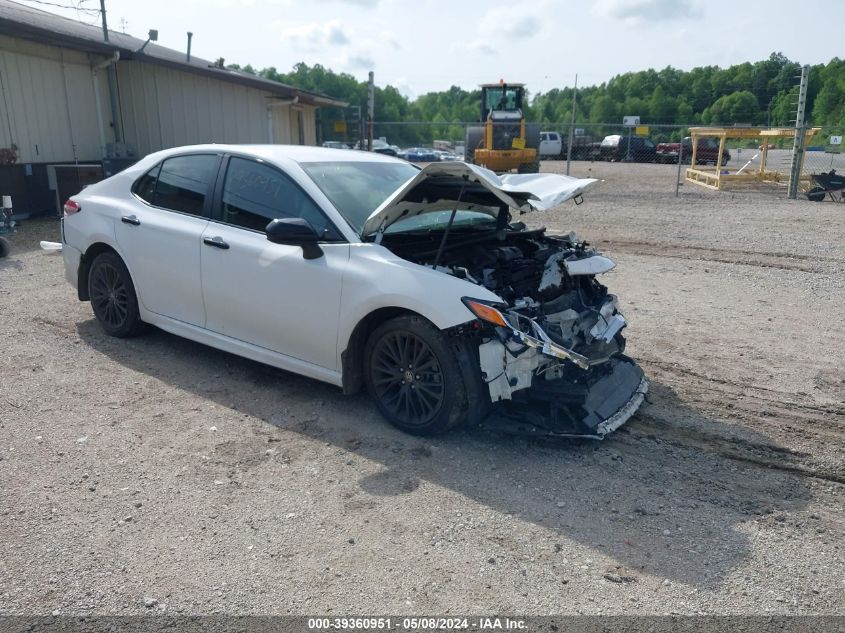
pixel 72 258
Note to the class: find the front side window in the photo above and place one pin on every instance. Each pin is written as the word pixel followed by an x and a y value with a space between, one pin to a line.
pixel 254 194
pixel 180 183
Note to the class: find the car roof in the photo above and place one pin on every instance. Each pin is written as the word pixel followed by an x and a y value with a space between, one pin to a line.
pixel 296 153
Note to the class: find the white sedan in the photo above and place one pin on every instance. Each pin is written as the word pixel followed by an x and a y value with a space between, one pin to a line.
pixel 363 271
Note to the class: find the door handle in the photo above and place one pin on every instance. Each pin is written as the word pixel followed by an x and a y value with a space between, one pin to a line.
pixel 217 242
pixel 131 219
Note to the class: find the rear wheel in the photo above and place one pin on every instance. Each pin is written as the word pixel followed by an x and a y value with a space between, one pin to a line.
pixel 4 247
pixel 113 297
pixel 414 377
pixel 473 140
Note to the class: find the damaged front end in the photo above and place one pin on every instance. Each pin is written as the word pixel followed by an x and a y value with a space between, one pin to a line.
pixel 551 353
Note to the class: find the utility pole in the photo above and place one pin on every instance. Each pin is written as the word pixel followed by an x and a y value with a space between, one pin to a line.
pixel 112 81
pixel 571 126
pixel 371 106
pixel 798 144
pixel 105 24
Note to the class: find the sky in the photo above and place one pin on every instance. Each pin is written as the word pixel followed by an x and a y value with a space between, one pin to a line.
pixel 421 46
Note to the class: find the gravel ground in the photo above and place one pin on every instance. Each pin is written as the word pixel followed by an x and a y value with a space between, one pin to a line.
pixel 158 475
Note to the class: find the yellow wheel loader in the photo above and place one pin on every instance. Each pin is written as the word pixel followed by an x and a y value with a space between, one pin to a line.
pixel 504 141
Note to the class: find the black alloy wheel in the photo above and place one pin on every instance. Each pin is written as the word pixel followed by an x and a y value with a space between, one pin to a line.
pixel 407 377
pixel 414 377
pixel 113 296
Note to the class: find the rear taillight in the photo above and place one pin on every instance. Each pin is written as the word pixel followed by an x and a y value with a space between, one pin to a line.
pixel 71 207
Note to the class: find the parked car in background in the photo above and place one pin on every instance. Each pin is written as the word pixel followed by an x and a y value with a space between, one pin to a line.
pixel 582 147
pixel 707 152
pixel 615 148
pixel 381 147
pixel 335 145
pixel 365 272
pixel 551 145
pixel 419 155
pixel 447 156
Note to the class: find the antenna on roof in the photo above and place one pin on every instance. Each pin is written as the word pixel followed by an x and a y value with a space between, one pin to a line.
pixel 153 37
pixel 190 36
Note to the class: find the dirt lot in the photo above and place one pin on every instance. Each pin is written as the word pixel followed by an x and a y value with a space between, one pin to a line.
pixel 159 475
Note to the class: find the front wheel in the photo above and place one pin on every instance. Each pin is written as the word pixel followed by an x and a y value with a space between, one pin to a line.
pixel 816 194
pixel 113 297
pixel 414 377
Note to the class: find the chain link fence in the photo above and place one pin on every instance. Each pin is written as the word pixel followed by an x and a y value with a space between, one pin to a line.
pixel 823 169
pixel 644 144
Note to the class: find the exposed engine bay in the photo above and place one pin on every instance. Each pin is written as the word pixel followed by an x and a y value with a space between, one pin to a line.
pixel 562 344
pixel 552 351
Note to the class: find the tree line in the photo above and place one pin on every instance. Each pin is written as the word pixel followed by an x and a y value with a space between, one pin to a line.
pixel 762 93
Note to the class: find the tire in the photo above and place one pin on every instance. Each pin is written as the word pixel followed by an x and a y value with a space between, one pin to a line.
pixel 816 194
pixel 5 249
pixel 529 168
pixel 394 384
pixel 113 297
pixel 473 139
pixel 532 136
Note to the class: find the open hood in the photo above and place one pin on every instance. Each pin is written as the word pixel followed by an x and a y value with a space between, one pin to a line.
pixel 439 186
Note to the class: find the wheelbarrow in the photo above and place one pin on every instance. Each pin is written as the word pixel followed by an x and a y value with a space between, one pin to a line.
pixel 7 225
pixel 828 183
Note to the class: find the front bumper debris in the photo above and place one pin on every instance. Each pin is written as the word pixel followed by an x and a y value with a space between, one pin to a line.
pixel 592 408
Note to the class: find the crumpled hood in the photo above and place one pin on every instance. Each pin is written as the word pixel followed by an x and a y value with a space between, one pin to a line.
pixel 438 186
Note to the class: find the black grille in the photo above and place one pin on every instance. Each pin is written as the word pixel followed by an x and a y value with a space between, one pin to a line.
pixel 503 135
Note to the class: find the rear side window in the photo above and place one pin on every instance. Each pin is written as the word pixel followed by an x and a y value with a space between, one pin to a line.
pixel 145 188
pixel 183 183
pixel 180 183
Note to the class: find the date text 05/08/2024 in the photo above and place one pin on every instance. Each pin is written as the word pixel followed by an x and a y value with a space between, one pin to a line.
pixel 415 624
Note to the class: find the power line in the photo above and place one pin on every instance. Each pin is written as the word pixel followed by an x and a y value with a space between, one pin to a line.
pixel 76 7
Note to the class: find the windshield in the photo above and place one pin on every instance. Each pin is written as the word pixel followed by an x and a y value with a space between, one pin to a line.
pixel 438 220
pixel 357 188
pixel 503 98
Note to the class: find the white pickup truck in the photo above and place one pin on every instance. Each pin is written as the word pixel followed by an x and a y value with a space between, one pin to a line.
pixel 551 145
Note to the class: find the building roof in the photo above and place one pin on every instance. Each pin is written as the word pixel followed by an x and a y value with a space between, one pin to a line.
pixel 26 22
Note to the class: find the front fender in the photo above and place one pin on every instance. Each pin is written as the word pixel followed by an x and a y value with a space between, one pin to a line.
pixel 375 278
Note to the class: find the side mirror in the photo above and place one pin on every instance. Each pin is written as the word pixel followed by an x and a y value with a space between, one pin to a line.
pixel 296 232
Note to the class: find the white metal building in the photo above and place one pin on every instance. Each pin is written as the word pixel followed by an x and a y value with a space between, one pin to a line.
pixel 57 105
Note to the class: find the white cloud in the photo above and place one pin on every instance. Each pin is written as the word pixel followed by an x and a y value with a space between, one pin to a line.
pixel 478 46
pixel 504 24
pixel 315 37
pixel 509 23
pixel 360 61
pixel 637 11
